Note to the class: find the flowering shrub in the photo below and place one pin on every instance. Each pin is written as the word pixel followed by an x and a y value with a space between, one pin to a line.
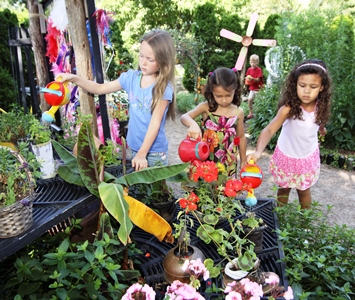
pixel 212 190
pixel 196 269
pixel 178 290
pixel 119 107
pixel 249 290
pixel 139 292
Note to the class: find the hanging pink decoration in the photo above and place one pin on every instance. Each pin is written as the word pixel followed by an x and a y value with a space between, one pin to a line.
pixel 103 20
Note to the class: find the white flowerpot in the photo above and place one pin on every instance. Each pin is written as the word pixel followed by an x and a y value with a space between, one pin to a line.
pixel 44 155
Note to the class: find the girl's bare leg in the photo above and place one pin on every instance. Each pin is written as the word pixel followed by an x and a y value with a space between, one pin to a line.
pixel 282 195
pixel 305 198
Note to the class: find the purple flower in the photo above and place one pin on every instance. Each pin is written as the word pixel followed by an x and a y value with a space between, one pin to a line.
pixel 226 127
pixel 25 202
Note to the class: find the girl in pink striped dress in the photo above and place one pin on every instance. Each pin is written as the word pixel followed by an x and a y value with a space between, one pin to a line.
pixel 304 109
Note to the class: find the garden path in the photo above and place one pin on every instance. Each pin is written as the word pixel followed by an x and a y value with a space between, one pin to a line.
pixel 335 187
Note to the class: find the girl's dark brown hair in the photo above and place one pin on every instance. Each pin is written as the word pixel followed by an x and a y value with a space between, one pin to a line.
pixel 228 79
pixel 289 95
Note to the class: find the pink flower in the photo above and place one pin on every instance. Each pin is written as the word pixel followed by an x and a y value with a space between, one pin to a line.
pixel 288 295
pixel 272 280
pixel 196 268
pixel 182 291
pixel 234 296
pixel 137 291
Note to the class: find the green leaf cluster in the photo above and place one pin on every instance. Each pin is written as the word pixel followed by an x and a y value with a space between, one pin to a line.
pixel 319 256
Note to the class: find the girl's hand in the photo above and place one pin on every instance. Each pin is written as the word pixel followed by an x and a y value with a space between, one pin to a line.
pixel 139 162
pixel 255 156
pixel 194 131
pixel 322 131
pixel 63 77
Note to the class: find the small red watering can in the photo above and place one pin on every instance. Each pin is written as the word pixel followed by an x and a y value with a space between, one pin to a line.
pixel 190 150
pixel 251 174
pixel 56 94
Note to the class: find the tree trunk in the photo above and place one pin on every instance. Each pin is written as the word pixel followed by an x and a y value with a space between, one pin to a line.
pixel 38 50
pixel 79 37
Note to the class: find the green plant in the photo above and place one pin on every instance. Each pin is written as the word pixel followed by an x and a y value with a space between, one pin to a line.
pixel 87 169
pixel 265 109
pixel 110 152
pixel 318 256
pixel 187 101
pixel 212 199
pixel 15 181
pixel 14 125
pixel 39 133
pixel 119 107
pixel 70 271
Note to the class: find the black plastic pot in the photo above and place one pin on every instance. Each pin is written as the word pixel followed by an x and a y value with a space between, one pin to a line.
pixel 330 158
pixel 322 158
pixel 341 161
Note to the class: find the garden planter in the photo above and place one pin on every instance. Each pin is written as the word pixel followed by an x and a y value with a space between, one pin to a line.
pixel 350 163
pixel 256 236
pixel 173 263
pixel 341 161
pixel 330 158
pixel 123 128
pixel 322 158
pixel 88 224
pixel 44 155
pixel 16 218
pixel 165 209
pixel 231 273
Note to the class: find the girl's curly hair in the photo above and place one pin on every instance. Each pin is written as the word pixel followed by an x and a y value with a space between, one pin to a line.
pixel 228 79
pixel 289 95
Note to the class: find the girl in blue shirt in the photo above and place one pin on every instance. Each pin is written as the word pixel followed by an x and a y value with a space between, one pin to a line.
pixel 151 92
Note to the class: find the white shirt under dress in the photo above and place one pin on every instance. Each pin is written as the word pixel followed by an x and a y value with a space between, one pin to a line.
pixel 295 162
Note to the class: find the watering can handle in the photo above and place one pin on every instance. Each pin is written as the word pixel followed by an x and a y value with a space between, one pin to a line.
pixel 198 139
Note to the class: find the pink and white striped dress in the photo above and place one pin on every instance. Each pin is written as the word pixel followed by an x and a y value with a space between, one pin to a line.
pixel 295 162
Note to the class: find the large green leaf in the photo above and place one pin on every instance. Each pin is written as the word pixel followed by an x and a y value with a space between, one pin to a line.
pixel 70 173
pixel 153 174
pixel 66 156
pixel 90 160
pixel 111 195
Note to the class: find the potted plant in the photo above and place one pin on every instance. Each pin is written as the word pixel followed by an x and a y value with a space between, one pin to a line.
pixel 214 195
pixel 87 169
pixel 16 193
pixel 40 137
pixel 14 127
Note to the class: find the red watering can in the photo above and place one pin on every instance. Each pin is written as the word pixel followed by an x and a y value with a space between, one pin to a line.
pixel 56 94
pixel 190 150
pixel 251 174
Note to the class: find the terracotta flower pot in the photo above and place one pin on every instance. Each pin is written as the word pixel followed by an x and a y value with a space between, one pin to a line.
pixel 173 263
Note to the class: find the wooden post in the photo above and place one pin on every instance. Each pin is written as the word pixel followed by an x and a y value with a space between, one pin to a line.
pixel 79 37
pixel 39 51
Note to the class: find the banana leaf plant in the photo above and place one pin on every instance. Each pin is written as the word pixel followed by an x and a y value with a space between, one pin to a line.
pixel 87 170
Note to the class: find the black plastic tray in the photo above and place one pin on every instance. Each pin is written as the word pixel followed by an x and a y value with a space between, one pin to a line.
pixel 151 266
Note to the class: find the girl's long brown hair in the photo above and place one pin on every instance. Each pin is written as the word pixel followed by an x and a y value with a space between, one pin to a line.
pixel 163 47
